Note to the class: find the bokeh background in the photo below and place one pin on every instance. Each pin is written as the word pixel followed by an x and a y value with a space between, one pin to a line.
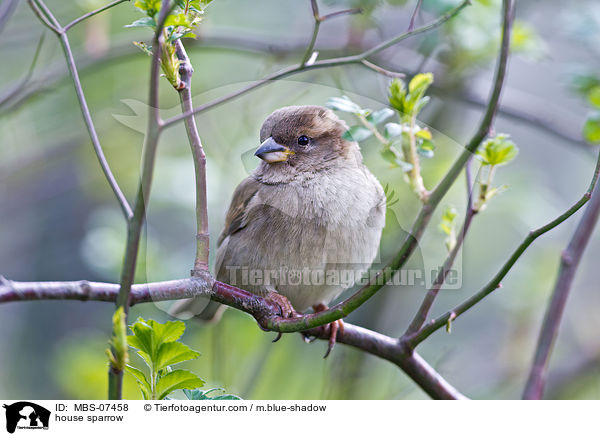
pixel 60 221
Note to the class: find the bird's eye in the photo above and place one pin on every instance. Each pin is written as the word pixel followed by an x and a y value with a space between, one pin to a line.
pixel 303 140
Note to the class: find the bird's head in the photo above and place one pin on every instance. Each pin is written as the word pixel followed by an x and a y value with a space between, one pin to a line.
pixel 304 138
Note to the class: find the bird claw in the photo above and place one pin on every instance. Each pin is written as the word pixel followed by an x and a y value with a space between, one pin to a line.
pixel 336 328
pixel 285 307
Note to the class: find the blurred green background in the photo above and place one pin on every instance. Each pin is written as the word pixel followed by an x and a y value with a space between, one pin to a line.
pixel 60 221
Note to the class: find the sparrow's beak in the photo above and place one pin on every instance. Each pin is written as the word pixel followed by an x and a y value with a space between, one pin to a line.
pixel 271 152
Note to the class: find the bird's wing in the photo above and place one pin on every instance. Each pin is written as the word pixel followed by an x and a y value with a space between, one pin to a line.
pixel 237 213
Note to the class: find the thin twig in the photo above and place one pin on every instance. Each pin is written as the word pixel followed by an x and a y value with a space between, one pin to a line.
pixel 326 63
pixel 570 259
pixel 494 284
pixel 40 8
pixel 351 11
pixel 92 130
pixel 318 19
pixel 25 80
pixel 7 8
pixel 185 96
pixel 48 14
pixel 38 12
pixel 136 222
pixel 411 25
pixel 381 70
pixel 92 13
pixel 316 25
pixel 423 311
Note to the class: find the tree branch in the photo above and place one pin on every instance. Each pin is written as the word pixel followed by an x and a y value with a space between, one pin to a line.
pixel 570 259
pixel 369 341
pixel 136 222
pixel 494 284
pixel 185 96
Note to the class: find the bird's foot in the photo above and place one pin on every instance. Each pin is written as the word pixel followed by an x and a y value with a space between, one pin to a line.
pixel 335 328
pixel 286 308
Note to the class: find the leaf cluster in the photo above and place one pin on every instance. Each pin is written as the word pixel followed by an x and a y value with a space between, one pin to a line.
pixel 498 150
pixel 158 346
pixel 180 23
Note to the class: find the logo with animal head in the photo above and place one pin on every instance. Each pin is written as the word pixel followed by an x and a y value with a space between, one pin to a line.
pixel 26 415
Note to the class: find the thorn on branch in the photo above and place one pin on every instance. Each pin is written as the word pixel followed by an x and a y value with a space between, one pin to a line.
pixel 312 59
pixel 451 318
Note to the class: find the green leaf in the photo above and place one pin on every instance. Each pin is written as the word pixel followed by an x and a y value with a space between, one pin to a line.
pixel 177 379
pixel 168 332
pixel 447 225
pixel 357 133
pixel 591 128
pixel 391 130
pixel 150 7
pixel 380 115
pixel 143 22
pixel 119 352
pixel 594 96
pixel 178 20
pixel 141 380
pixel 148 336
pixel 425 146
pixel 583 83
pixel 419 105
pixel 497 151
pixel 391 155
pixel 343 104
pixel 425 152
pixel 143 338
pixel 410 103
pixel 171 353
pixel 397 95
pixel 423 134
pixel 419 83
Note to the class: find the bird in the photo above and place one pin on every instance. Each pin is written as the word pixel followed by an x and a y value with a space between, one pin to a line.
pixel 306 224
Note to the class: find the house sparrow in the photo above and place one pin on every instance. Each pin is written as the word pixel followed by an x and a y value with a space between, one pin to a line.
pixel 307 222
